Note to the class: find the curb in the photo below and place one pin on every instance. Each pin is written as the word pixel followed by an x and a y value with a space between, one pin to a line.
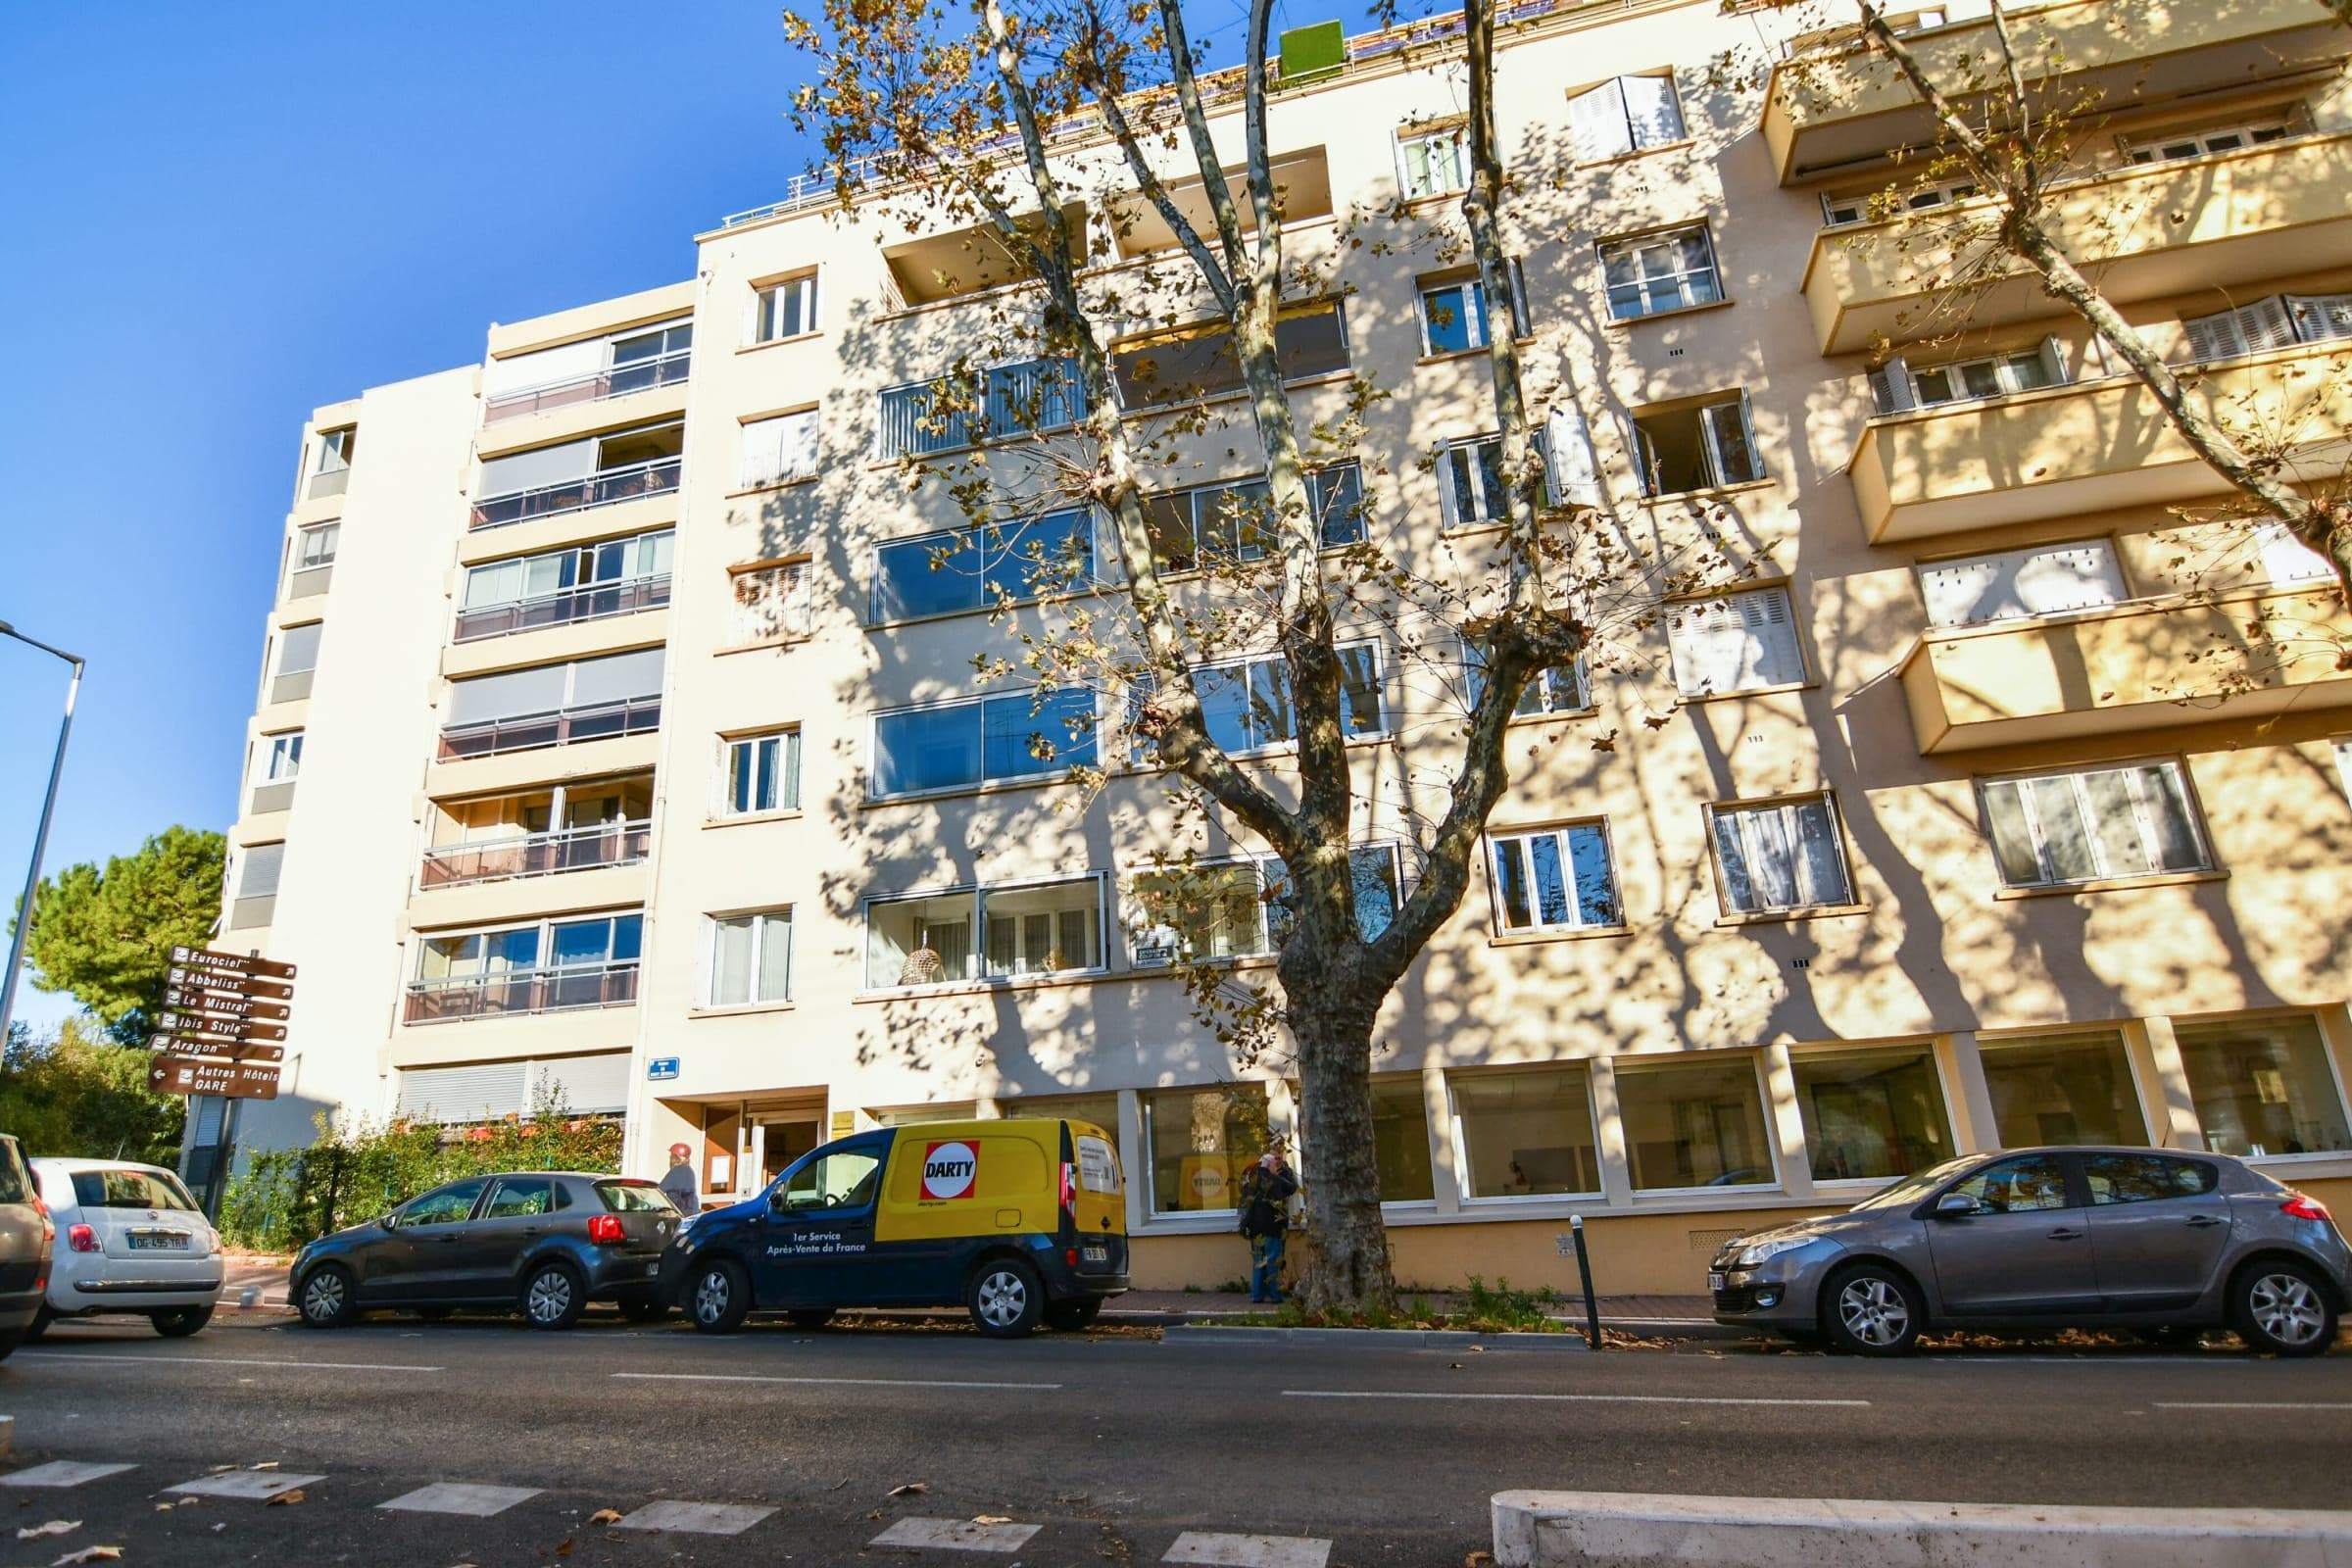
pixel 1370 1339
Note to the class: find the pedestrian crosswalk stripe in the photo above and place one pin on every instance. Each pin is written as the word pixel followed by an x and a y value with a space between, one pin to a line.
pixel 63 1473
pixel 1213 1551
pixel 696 1518
pixel 956 1535
pixel 255 1486
pixel 461 1497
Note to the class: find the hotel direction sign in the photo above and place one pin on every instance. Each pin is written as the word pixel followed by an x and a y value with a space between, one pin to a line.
pixel 173 1074
pixel 218 1028
pixel 224 1020
pixel 230 965
pixel 224 1003
pixel 231 1050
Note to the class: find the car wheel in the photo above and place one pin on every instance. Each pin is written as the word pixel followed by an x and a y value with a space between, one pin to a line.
pixel 640 1306
pixel 1006 1298
pixel 178 1322
pixel 814 1318
pixel 717 1295
pixel 2281 1307
pixel 326 1300
pixel 1872 1311
pixel 553 1297
pixel 1072 1316
pixel 39 1324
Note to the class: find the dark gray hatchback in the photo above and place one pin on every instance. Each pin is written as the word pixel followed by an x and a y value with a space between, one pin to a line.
pixel 2159 1240
pixel 544 1243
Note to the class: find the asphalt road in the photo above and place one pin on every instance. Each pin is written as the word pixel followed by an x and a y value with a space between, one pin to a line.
pixel 1113 1446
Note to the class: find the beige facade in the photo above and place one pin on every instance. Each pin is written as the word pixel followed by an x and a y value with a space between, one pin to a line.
pixel 637 771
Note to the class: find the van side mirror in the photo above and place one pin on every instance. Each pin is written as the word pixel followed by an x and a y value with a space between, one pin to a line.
pixel 1954 1205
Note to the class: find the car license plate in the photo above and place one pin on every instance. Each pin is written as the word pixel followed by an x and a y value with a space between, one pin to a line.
pixel 158 1240
pixel 1095 1255
pixel 1715 1281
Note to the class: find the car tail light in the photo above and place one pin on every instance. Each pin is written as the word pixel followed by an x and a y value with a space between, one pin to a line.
pixel 48 1225
pixel 2303 1207
pixel 1071 1257
pixel 82 1239
pixel 604 1228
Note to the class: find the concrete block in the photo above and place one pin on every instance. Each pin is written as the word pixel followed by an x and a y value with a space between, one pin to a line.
pixel 1642 1530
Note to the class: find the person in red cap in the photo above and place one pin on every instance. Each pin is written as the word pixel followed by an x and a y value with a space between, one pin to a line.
pixel 678 1181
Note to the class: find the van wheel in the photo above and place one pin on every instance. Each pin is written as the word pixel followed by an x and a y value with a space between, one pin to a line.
pixel 1871 1309
pixel 1072 1316
pixel 2281 1307
pixel 181 1321
pixel 1006 1298
pixel 325 1298
pixel 717 1295
pixel 553 1297
pixel 814 1318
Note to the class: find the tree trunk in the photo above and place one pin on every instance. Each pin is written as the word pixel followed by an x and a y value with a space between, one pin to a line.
pixel 1331 1019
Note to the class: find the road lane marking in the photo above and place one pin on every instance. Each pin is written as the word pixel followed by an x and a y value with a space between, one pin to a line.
pixel 63 1473
pixel 250 1486
pixel 1561 1398
pixel 2245 1405
pixel 851 1383
pixel 1214 1551
pixel 466 1498
pixel 671 1516
pixel 226 1360
pixel 956 1534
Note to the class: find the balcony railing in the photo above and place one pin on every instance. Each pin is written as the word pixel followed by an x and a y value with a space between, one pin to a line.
pixel 530 731
pixel 579 849
pixel 592 602
pixel 519 993
pixel 604 489
pixel 330 483
pixel 620 380
pixel 1028 398
pixel 309 581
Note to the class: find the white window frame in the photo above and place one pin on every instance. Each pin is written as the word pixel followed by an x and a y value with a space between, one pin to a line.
pixel 763 923
pixel 1478 316
pixel 759 314
pixel 336 448
pixel 1744 813
pixel 543 948
pixel 1451 456
pixel 2028 813
pixel 1635 245
pixel 1844 212
pixel 1044 771
pixel 279 760
pixel 2149 149
pixel 1899 386
pixel 1524 840
pixel 2273 321
pixel 307 539
pixel 795 595
pixel 2011 565
pixel 1632 1063
pixel 1409 136
pixel 764 447
pixel 1248 661
pixel 1143 954
pixel 1624 132
pixel 1710 446
pixel 788 774
pixel 1463 1172
pixel 977 893
pixel 1760 659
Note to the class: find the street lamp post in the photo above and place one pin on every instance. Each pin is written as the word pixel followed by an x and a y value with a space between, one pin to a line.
pixel 40 836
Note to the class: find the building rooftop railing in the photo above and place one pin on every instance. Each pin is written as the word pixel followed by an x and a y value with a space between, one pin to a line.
pixel 604 489
pixel 527 855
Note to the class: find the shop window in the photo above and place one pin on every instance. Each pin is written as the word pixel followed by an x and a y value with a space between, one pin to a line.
pixel 1693 1124
pixel 1201 1141
pixel 2262 1086
pixel 2063 1088
pixel 1098 1111
pixel 1401 1141
pixel 1872 1114
pixel 1521 1134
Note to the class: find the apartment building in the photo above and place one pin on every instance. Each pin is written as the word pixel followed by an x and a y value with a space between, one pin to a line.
pixel 619 734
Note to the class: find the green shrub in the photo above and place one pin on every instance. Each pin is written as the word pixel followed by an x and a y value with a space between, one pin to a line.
pixel 1501 1307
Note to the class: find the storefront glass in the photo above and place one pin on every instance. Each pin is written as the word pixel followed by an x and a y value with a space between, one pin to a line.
pixel 2063 1088
pixel 1523 1133
pixel 1201 1141
pixel 2262 1086
pixel 1872 1114
pixel 1694 1123
pixel 1401 1141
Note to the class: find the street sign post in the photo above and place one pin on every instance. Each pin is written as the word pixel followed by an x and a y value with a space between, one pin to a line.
pixel 230 964
pixel 227 1016
pixel 226 1003
pixel 172 1074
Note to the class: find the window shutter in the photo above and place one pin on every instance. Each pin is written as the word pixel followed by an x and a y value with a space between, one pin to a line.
pixel 2082 576
pixel 1706 642
pixel 587 1083
pixel 2053 362
pixel 538 469
pixel 1522 321
pixel 478 1092
pixel 2318 317
pixel 1650 107
pixel 2287 559
pixel 1768 650
pixel 1596 122
pixel 2217 336
pixel 1568 458
pixel 2266 323
pixel 1890 387
pixel 1957 592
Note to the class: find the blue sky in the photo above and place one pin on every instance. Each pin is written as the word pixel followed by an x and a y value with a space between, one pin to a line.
pixel 219 217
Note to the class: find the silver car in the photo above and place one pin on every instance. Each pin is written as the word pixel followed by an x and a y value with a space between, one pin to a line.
pixel 2157 1241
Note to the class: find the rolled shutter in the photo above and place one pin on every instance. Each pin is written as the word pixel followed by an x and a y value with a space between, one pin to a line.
pixel 476 1092
pixel 1890 387
pixel 538 469
pixel 2217 336
pixel 2267 324
pixel 508 695
pixel 617 677
pixel 1568 458
pixel 523 371
pixel 598 1083
pixel 257 870
pixel 1596 122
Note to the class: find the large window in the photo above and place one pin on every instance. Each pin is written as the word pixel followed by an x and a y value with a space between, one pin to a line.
pixel 2092 825
pixel 554 705
pixel 1693 1123
pixel 760 773
pixel 751 958
pixel 779 450
pixel 1895 386
pixel 986 740
pixel 2270 322
pixel 1786 854
pixel 1672 271
pixel 1559 879
pixel 1374 879
pixel 2044 580
pixel 1627 114
pixel 556 587
pixel 1202 1141
pixel 784 308
pixel 1198 362
pixel 1247 704
pixel 1431 161
pixel 981 567
pixel 1470 483
pixel 1701 446
pixel 1743 642
pixel 2262 1086
pixel 1231 521
pixel 1026 397
pixel 589 961
pixel 1519 1134
pixel 1199 911
pixel 2063 1088
pixel 1023 930
pixel 1401 1141
pixel 1872 1114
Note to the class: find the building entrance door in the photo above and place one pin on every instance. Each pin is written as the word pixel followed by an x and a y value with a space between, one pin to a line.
pixel 777 1139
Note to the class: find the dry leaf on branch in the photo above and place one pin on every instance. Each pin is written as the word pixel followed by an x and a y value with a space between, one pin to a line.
pixel 55 1527
pixel 605 1516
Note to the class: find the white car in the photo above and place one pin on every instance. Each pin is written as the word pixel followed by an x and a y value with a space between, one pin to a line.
pixel 129 1239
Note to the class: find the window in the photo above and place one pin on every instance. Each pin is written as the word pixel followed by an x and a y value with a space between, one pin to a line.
pixel 2198 143
pixel 129 1189
pixel 1659 273
pixel 521 1197
pixel 2025 1185
pixel 785 308
pixel 1786 855
pixel 1401 1141
pixel 2270 322
pixel 556 587
pixel 1201 1141
pixel 1838 210
pixel 1432 162
pixel 281 757
pixel 1245 705
pixel 1232 521
pixel 779 450
pixel 1693 1123
pixel 298 654
pixel 1470 483
pixel 641 361
pixel 1557 880
pixel 977 567
pixel 844 1179
pixel 316 547
pixel 1375 878
pixel 1336 493
pixel 1743 642
pixel 1552 691
pixel 959 410
pixel 1871 1115
pixel 2262 1086
pixel 772 602
pixel 1453 311
pixel 1702 447
pixel 597 940
pixel 2046 580
pixel 760 773
pixel 2146 1178
pixel 2063 1088
pixel 751 958
pixel 1197 362
pixel 449 1205
pixel 983 740
pixel 1625 116
pixel 1519 1134
pixel 1028 929
pixel 1201 911
pixel 1095 1110
pixel 553 704
pixel 1896 385
pixel 330 472
pixel 2092 825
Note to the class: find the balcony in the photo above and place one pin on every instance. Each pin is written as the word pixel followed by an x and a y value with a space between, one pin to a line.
pixel 2222 220
pixel 2144 664
pixel 1030 398
pixel 594 603
pixel 579 849
pixel 1829 110
pixel 519 993
pixel 560 727
pixel 2092 446
pixel 605 488
pixel 641 375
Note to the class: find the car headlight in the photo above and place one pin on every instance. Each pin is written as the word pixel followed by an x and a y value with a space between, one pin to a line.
pixel 1750 1256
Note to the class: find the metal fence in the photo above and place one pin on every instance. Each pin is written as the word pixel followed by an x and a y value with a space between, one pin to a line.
pixel 613 485
pixel 639 375
pixel 593 602
pixel 529 731
pixel 578 849
pixel 518 991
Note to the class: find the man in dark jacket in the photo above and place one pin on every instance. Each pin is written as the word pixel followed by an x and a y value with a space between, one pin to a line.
pixel 1266 1219
pixel 679 1180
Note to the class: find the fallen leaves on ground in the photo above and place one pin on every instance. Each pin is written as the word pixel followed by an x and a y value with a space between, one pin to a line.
pixel 1479 1559
pixel 991 1519
pixel 562 1547
pixel 912 1486
pixel 266 1464
pixel 605 1516
pixel 89 1554
pixel 55 1527
pixel 285 1500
